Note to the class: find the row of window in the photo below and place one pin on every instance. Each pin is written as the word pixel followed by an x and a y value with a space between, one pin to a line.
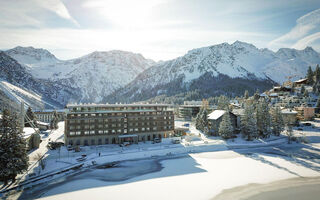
pixel 93 126
pixel 119 131
pixel 118 120
pixel 119 114
pixel 84 109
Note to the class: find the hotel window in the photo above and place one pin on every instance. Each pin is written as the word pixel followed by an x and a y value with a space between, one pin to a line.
pixel 86 132
pixel 148 129
pixel 125 131
pixel 131 129
pixel 136 129
pixel 72 133
pixel 86 127
pixel 154 118
pixel 154 128
pixel 92 132
pixel 106 131
pixel 91 120
pixel 100 131
pixel 71 127
pixel 143 129
pixel 113 131
pixel 78 132
pixel 100 126
pixel 119 130
pixel 137 124
pixel 100 120
pixel 113 125
pixel 78 127
pixel 119 125
pixel 92 127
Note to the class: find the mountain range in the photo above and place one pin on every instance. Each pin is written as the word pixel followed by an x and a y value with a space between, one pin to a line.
pixel 120 76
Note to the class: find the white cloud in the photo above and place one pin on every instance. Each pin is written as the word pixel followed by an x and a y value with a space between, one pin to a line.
pixel 304 33
pixel 24 13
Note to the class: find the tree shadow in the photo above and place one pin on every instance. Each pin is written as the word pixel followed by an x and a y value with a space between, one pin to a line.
pixel 122 173
pixel 296 154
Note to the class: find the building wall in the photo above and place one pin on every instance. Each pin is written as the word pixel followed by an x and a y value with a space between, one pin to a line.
pixel 104 126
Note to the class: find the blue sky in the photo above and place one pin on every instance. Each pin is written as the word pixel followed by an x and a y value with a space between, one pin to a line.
pixel 158 29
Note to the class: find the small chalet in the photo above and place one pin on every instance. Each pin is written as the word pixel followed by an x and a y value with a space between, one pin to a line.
pixel 215 118
pixel 301 82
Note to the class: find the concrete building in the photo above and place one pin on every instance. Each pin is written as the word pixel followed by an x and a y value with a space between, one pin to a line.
pixel 289 116
pixel 47 115
pixel 96 124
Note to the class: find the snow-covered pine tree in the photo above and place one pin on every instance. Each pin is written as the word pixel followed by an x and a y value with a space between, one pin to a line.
pixel 263 119
pixel 246 94
pixel 249 123
pixel 13 152
pixel 225 127
pixel 223 102
pixel 289 133
pixel 277 121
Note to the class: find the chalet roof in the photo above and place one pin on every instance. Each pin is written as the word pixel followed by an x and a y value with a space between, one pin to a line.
pixel 289 111
pixel 216 114
pixel 301 80
pixel 238 112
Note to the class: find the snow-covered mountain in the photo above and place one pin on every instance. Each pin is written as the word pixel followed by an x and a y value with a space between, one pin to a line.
pixel 95 75
pixel 239 62
pixel 18 84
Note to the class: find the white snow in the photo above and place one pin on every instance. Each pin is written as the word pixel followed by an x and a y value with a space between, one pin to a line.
pixel 216 114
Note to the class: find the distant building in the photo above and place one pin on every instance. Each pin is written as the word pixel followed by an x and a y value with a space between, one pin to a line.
pixel 47 115
pixel 300 83
pixel 32 137
pixel 96 124
pixel 289 116
pixel 188 112
pixel 215 118
pixel 305 113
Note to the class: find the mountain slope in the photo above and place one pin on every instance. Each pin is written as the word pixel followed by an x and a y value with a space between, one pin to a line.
pixel 18 84
pixel 95 75
pixel 216 68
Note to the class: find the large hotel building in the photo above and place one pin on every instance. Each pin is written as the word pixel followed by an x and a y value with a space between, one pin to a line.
pixel 96 124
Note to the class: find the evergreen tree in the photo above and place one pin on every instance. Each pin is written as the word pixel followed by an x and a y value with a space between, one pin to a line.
pixel 317 73
pixel 223 103
pixel 13 152
pixel 256 95
pixel 226 128
pixel 30 118
pixel 302 90
pixel 246 94
pixel 263 119
pixel 289 133
pixel 54 121
pixel 249 123
pixel 318 103
pixel 306 93
pixel 202 120
pixel 277 121
pixel 310 75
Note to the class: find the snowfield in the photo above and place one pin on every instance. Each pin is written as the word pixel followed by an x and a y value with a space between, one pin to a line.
pixel 198 169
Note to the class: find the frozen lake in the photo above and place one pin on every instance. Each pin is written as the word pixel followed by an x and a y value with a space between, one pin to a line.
pixel 193 176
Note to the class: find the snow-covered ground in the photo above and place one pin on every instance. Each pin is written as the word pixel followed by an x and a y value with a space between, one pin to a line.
pixel 199 169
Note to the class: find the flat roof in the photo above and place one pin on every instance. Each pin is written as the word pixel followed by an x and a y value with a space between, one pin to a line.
pixel 114 105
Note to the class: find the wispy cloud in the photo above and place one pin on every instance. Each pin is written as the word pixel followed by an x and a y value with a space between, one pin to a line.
pixel 305 32
pixel 31 13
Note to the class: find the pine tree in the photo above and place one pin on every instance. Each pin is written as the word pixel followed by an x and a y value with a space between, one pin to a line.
pixel 223 102
pixel 263 119
pixel 302 90
pixel 256 95
pixel 277 121
pixel 54 121
pixel 306 93
pixel 202 120
pixel 226 128
pixel 246 94
pixel 289 133
pixel 249 123
pixel 13 152
pixel 30 118
pixel 310 75
pixel 317 73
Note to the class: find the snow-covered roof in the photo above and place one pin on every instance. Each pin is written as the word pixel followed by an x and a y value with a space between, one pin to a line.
pixel 43 123
pixel 288 111
pixel 238 111
pixel 273 95
pixel 216 114
pixel 263 95
pixel 28 131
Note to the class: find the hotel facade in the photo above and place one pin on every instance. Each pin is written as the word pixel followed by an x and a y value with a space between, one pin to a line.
pixel 97 124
